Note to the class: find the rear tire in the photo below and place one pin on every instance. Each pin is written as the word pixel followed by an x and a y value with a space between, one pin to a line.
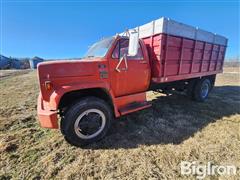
pixel 86 121
pixel 201 90
pixel 190 88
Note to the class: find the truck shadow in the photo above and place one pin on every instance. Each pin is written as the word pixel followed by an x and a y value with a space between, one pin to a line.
pixel 171 119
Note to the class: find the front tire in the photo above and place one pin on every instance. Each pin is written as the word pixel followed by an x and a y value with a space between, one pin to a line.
pixel 87 121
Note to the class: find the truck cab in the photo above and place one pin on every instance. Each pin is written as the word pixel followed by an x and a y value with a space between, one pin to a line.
pixel 106 83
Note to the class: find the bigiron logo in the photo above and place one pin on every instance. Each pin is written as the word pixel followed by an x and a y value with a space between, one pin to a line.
pixel 202 170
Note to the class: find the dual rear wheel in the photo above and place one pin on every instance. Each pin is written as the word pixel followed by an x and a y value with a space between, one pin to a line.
pixel 199 90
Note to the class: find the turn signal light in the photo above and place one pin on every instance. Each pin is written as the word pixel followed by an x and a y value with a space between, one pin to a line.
pixel 48 85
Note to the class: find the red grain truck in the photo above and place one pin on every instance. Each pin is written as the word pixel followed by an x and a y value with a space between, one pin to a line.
pixel 114 76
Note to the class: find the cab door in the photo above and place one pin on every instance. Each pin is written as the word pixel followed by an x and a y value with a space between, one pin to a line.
pixel 134 75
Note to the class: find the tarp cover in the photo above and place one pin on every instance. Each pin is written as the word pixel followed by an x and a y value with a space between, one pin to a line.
pixel 171 27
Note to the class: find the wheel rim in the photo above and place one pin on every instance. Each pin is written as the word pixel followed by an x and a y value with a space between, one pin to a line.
pixel 90 123
pixel 204 90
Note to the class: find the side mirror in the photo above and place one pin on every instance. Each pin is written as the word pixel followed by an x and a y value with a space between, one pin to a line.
pixel 133 44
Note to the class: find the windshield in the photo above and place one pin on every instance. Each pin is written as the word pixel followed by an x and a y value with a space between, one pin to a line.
pixel 100 48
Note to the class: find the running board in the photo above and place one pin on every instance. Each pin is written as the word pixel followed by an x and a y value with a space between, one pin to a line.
pixel 133 107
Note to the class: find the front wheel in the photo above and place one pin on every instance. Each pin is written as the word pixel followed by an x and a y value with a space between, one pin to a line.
pixel 86 121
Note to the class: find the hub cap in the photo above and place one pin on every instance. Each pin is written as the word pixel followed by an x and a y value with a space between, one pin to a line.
pixel 90 123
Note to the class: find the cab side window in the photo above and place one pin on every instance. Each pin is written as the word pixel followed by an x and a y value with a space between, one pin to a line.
pixel 122 48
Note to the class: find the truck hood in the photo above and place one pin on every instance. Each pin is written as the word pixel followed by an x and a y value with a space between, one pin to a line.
pixel 65 72
pixel 67 68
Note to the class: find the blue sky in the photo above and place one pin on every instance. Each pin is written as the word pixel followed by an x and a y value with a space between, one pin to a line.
pixel 65 29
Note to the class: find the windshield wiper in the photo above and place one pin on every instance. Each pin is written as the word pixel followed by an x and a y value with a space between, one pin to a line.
pixel 90 56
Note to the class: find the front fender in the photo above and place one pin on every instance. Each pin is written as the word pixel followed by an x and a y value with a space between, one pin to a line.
pixel 56 96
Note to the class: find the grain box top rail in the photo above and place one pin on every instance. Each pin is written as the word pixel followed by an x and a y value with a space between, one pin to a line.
pixel 171 27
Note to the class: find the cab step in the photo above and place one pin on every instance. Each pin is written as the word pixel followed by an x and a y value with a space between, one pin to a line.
pixel 136 106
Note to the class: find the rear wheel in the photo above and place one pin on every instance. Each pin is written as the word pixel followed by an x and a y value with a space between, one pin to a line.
pixel 201 90
pixel 86 121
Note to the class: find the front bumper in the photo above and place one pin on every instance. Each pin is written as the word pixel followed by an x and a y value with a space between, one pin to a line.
pixel 47 118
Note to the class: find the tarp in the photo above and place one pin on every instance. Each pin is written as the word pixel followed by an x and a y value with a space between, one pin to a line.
pixel 171 27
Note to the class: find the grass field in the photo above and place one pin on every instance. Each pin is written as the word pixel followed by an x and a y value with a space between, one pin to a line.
pixel 147 144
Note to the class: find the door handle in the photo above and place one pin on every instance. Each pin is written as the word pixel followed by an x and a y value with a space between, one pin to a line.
pixel 143 62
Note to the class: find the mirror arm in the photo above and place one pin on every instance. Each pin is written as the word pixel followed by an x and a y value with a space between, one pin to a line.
pixel 120 61
pixel 125 60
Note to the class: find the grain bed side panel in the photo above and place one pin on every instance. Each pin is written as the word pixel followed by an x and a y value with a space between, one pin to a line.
pixel 173 56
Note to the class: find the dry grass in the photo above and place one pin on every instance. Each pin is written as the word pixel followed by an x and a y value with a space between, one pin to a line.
pixel 147 144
